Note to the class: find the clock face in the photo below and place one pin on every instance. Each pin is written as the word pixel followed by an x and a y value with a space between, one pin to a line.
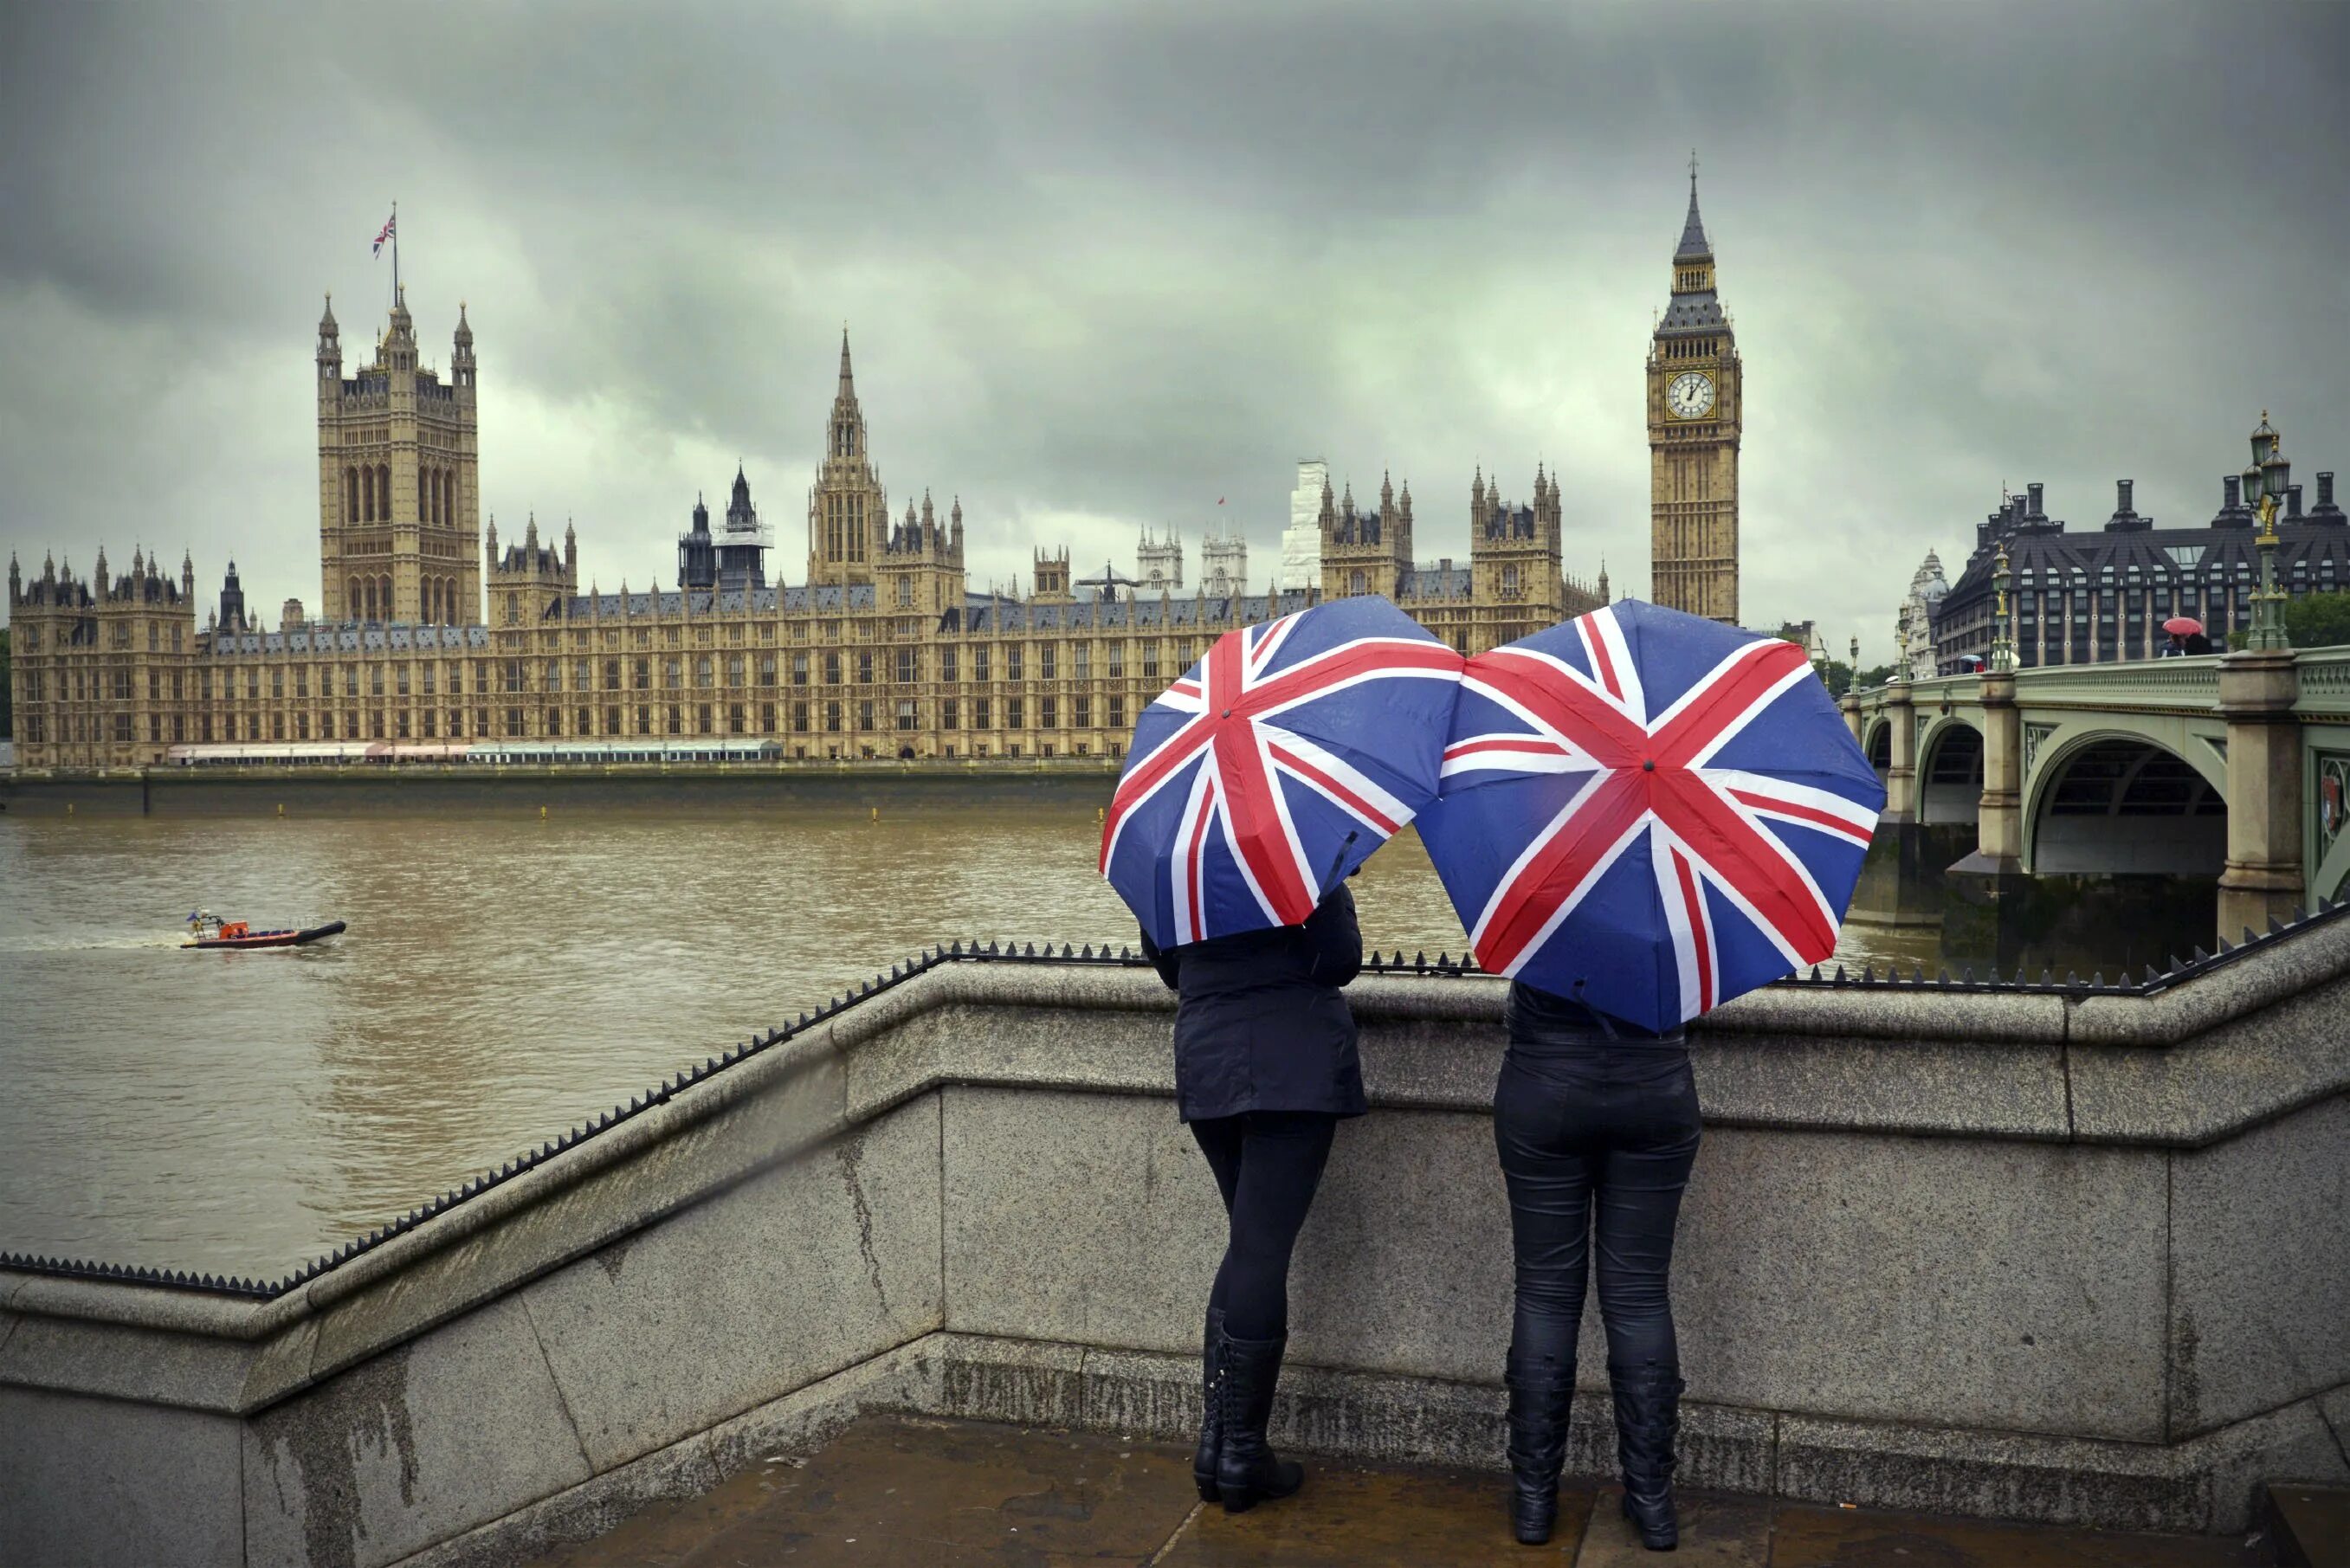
pixel 1690 396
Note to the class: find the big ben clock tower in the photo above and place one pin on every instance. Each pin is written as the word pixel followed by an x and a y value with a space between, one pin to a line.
pixel 1695 412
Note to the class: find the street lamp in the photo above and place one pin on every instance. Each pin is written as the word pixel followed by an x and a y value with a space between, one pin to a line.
pixel 2003 636
pixel 2265 477
pixel 1901 665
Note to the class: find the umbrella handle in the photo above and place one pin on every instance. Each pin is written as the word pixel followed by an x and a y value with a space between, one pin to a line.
pixel 1330 878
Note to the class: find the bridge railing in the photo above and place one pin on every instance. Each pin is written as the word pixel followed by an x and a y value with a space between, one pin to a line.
pixel 2186 682
pixel 2324 682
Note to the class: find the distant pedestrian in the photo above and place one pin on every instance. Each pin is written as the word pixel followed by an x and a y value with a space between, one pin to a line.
pixel 2199 643
pixel 1266 1067
pixel 2173 647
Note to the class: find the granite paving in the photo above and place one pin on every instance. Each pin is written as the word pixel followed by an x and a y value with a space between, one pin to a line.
pixel 923 1493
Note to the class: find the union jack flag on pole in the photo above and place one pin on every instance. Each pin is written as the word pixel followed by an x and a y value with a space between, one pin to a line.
pixel 1650 813
pixel 1278 762
pixel 383 235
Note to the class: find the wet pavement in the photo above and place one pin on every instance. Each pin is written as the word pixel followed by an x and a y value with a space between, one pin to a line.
pixel 962 1494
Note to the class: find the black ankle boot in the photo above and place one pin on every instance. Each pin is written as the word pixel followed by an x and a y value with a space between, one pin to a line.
pixel 1648 1417
pixel 1247 1470
pixel 1211 1414
pixel 1542 1393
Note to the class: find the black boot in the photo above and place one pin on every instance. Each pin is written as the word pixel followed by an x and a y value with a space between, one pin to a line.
pixel 1542 1393
pixel 1211 1414
pixel 1247 1470
pixel 1648 1416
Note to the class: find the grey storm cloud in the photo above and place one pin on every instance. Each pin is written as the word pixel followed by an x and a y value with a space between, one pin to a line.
pixel 1105 265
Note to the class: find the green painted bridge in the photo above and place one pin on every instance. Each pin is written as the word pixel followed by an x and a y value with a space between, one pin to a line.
pixel 2236 765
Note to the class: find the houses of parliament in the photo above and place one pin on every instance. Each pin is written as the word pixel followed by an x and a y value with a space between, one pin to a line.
pixel 432 636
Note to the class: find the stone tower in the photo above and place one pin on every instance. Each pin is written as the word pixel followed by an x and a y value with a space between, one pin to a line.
pixel 1159 563
pixel 400 521
pixel 1515 550
pixel 1696 407
pixel 1223 563
pixel 530 583
pixel 848 512
pixel 1366 552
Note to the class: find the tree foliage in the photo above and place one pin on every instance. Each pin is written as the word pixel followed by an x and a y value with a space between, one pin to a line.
pixel 2318 620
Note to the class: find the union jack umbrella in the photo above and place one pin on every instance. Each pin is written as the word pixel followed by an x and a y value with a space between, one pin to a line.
pixel 1650 813
pixel 1275 767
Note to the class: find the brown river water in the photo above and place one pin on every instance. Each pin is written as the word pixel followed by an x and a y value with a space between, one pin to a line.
pixel 502 979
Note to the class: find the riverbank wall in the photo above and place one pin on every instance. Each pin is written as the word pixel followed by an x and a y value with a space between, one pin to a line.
pixel 523 790
pixel 2073 1254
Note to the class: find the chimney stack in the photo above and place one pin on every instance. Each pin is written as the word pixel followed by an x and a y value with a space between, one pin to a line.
pixel 2230 493
pixel 2325 508
pixel 2122 496
pixel 2034 489
pixel 2293 501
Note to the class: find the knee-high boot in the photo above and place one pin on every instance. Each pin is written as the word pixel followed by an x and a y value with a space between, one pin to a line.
pixel 1648 1417
pixel 1247 1470
pixel 1542 1394
pixel 1212 1413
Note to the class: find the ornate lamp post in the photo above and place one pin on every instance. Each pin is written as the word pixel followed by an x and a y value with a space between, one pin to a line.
pixel 1901 665
pixel 2002 634
pixel 2265 477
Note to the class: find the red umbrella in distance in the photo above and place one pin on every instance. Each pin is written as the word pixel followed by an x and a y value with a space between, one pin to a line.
pixel 2182 626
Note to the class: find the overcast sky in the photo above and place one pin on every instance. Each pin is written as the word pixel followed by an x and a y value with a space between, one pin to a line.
pixel 1104 264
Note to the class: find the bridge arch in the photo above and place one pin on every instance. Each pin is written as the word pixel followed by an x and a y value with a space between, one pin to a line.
pixel 2109 801
pixel 1879 747
pixel 1950 772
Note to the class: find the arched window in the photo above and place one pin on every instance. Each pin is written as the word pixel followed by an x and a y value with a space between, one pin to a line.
pixel 366 497
pixel 351 598
pixel 350 494
pixel 366 610
pixel 383 491
pixel 1357 584
pixel 383 596
pixel 448 495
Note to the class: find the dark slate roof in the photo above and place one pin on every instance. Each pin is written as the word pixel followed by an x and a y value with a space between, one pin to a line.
pixel 352 637
pixel 2308 554
pixel 1692 313
pixel 1694 244
pixel 1435 583
pixel 1008 617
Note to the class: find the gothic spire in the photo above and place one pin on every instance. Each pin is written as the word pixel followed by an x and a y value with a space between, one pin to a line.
pixel 847 377
pixel 1694 244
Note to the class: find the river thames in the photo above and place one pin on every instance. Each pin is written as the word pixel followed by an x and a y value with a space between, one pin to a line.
pixel 502 979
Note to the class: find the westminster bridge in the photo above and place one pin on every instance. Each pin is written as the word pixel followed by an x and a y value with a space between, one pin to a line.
pixel 2232 765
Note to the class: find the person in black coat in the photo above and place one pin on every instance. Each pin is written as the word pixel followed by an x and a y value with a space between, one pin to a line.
pixel 1266 1067
pixel 1596 1122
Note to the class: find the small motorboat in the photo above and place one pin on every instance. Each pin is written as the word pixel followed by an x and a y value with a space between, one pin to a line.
pixel 206 929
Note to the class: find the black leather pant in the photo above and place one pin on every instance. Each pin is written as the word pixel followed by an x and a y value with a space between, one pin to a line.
pixel 1597 1139
pixel 1267 1166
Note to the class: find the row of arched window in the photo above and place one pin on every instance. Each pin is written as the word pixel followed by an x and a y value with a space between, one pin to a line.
pixel 370 598
pixel 367 495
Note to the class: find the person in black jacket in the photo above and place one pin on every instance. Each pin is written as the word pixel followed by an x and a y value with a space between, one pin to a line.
pixel 1596 1122
pixel 1264 1069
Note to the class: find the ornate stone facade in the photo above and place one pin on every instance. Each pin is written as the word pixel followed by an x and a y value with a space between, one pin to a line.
pixel 400 521
pixel 1696 410
pixel 884 651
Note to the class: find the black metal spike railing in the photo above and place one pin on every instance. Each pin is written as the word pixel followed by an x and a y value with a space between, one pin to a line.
pixel 1009 951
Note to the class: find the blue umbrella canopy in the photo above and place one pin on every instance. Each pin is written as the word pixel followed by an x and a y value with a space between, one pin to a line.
pixel 1278 762
pixel 1650 811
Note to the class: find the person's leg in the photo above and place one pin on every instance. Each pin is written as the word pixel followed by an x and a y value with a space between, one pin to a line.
pixel 1549 1180
pixel 1641 1181
pixel 1221 1141
pixel 1281 1167
pixel 1283 1155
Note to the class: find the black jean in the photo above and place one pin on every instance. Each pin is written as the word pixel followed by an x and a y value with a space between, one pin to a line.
pixel 1267 1164
pixel 1596 1139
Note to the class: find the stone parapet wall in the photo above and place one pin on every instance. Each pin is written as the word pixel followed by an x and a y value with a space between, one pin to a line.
pixel 2064 1256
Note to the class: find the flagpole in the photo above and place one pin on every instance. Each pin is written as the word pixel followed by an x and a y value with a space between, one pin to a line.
pixel 395 253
